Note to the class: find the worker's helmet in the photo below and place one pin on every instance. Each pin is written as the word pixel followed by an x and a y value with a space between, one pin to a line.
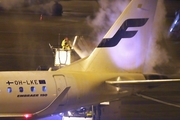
pixel 66 38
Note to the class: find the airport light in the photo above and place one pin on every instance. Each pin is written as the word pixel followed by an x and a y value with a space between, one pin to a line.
pixel 27 116
pixel 175 25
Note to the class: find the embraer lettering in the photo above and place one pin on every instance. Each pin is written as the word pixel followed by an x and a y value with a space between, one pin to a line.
pixel 122 33
pixel 32 95
pixel 26 82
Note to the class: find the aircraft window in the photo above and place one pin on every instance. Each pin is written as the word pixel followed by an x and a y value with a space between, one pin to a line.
pixel 20 89
pixel 33 89
pixel 44 89
pixel 9 89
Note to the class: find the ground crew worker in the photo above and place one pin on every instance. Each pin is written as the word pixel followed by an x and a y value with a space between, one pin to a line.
pixel 66 44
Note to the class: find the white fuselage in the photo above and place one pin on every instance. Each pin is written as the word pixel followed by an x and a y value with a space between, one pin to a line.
pixel 33 91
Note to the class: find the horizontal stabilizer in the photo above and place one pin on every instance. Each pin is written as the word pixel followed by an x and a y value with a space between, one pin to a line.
pixel 141 82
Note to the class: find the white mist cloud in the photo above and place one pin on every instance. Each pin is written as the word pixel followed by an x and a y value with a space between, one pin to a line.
pixel 45 8
pixel 8 4
pixel 157 54
pixel 42 8
pixel 109 11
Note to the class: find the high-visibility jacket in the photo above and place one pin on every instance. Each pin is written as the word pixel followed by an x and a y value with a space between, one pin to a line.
pixel 66 45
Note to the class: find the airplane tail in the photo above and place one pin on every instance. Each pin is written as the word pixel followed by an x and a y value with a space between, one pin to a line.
pixel 124 48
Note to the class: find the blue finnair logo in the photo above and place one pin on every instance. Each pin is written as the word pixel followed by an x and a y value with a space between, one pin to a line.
pixel 122 33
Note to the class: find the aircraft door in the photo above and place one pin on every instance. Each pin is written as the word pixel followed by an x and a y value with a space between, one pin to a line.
pixel 60 86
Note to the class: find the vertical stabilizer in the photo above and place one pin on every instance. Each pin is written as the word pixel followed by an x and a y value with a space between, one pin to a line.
pixel 125 45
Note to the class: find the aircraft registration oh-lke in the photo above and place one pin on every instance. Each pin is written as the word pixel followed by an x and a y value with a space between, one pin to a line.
pixel 113 70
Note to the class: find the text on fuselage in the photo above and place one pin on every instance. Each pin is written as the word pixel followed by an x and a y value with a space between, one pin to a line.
pixel 26 82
